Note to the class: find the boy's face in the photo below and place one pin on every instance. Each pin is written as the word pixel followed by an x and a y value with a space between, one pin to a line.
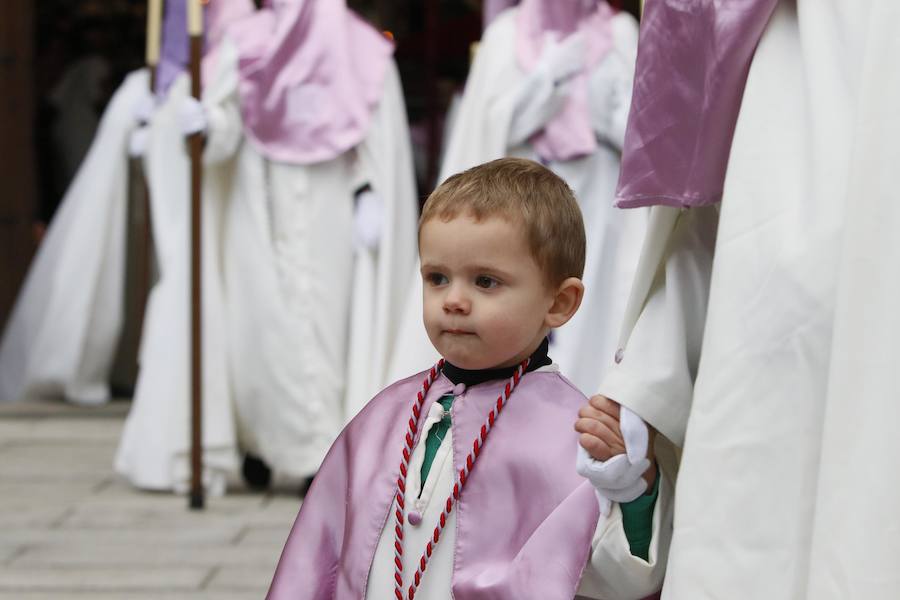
pixel 485 299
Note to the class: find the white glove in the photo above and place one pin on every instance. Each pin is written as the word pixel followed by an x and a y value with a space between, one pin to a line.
pixel 609 89
pixel 144 107
pixel 138 140
pixel 544 91
pixel 192 117
pixel 367 220
pixel 560 61
pixel 619 479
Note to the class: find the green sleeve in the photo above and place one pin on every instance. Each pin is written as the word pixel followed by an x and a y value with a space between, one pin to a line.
pixel 637 519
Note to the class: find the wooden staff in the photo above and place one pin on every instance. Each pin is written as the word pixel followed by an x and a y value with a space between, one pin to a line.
pixel 195 32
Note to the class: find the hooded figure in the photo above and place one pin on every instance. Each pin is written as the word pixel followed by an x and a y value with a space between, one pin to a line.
pixel 320 228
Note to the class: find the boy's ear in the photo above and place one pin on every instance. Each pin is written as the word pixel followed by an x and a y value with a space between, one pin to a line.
pixel 566 301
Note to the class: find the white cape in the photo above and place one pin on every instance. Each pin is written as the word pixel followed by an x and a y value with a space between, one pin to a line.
pixel 482 132
pixel 154 450
pixel 61 336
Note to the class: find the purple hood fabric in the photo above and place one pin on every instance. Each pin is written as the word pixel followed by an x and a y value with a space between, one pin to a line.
pixel 174 50
pixel 311 76
pixel 692 65
pixel 524 520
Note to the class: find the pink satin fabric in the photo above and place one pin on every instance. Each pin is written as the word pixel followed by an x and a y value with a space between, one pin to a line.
pixel 311 76
pixel 569 134
pixel 693 61
pixel 220 14
pixel 524 521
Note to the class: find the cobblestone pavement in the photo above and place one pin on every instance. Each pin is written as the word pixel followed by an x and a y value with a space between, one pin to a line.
pixel 70 529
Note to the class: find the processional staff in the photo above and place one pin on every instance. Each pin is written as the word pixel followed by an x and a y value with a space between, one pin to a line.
pixel 195 141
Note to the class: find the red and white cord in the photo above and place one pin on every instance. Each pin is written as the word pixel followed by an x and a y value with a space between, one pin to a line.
pixel 461 477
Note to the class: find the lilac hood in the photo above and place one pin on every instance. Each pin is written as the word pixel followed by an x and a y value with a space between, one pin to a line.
pixel 525 518
pixel 311 76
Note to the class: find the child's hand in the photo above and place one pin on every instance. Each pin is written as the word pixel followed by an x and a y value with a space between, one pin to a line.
pixel 600 426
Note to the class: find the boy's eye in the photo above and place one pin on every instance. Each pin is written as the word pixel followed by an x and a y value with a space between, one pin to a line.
pixel 435 278
pixel 483 281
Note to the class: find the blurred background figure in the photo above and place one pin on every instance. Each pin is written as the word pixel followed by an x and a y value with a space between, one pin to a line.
pixel 154 452
pixel 323 188
pixel 62 336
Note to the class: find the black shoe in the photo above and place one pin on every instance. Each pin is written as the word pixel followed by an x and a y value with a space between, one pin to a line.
pixel 257 474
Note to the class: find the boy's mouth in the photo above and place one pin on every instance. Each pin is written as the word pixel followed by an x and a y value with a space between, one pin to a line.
pixel 458 332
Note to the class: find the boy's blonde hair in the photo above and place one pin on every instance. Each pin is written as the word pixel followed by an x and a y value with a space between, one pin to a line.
pixel 523 191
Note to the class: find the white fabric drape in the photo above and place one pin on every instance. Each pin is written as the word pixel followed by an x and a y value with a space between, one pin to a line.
pixel 62 333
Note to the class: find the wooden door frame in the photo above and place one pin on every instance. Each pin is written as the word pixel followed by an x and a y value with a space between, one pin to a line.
pixel 17 150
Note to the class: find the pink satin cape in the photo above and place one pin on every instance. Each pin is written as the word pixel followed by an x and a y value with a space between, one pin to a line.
pixel 692 65
pixel 569 134
pixel 311 76
pixel 525 518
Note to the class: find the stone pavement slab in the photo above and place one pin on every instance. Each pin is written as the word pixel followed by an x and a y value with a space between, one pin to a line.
pixel 69 429
pixel 257 535
pixel 119 595
pixel 253 579
pixel 63 461
pixel 9 552
pixel 83 537
pixel 102 578
pixel 70 528
pixel 159 555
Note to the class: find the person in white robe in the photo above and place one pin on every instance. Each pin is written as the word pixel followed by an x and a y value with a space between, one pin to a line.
pixel 61 336
pixel 154 451
pixel 768 343
pixel 552 83
pixel 320 227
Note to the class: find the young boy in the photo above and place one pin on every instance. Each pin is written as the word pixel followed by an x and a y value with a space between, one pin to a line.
pixel 462 480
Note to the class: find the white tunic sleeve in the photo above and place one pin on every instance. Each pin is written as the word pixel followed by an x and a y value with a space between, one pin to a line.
pixel 611 81
pixel 655 378
pixel 613 572
pixel 222 106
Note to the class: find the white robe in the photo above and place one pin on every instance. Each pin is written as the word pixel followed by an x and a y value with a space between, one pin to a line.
pixel 487 117
pixel 293 286
pixel 61 336
pixel 154 451
pixel 787 488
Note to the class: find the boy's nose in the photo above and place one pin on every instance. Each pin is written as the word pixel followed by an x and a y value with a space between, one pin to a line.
pixel 456 301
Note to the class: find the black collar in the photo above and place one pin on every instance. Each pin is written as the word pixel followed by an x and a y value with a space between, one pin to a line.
pixel 473 377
